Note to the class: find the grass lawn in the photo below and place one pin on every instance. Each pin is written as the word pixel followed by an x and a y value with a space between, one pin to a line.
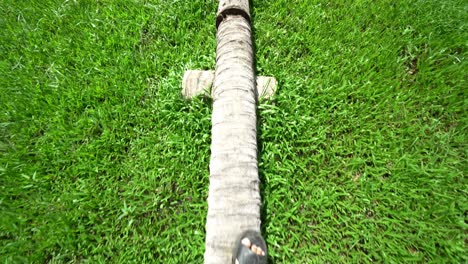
pixel 363 152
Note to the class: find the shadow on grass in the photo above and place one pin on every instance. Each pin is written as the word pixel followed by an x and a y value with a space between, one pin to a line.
pixel 261 175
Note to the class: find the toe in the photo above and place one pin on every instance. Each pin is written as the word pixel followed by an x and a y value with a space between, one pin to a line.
pixel 254 248
pixel 246 242
pixel 259 251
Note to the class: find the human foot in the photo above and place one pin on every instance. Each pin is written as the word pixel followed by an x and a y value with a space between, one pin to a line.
pixel 250 249
pixel 254 248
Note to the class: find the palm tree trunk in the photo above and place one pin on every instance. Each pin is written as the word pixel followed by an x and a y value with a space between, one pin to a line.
pixel 234 198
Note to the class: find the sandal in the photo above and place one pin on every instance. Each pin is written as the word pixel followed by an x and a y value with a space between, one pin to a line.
pixel 244 255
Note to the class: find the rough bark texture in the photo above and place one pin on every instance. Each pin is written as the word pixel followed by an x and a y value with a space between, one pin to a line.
pixel 234 197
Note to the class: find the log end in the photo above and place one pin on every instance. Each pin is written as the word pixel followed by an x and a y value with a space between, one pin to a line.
pixel 232 7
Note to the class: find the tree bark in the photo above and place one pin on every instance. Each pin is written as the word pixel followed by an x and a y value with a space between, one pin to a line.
pixel 234 197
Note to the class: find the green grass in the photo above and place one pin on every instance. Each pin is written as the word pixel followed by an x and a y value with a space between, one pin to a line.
pixel 363 151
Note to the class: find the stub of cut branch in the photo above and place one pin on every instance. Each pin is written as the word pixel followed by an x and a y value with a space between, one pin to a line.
pixel 197 82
